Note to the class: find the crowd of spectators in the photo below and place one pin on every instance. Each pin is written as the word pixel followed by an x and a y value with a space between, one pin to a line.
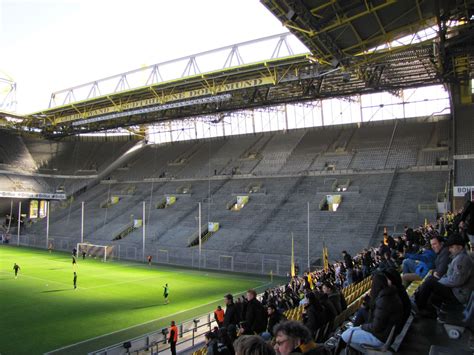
pixel 435 253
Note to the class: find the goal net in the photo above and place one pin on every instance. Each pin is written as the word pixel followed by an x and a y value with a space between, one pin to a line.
pixel 103 252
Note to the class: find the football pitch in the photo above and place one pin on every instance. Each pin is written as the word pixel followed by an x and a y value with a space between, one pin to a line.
pixel 40 311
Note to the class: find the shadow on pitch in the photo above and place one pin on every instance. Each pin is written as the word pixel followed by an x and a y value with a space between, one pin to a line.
pixel 149 306
pixel 60 290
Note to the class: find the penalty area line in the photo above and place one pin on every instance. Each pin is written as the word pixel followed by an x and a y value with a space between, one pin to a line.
pixel 141 324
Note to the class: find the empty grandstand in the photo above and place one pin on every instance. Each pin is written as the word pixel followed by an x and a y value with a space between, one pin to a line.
pixel 259 165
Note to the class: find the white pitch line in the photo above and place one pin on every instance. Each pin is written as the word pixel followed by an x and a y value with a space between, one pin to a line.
pixel 144 323
pixel 123 282
pixel 39 278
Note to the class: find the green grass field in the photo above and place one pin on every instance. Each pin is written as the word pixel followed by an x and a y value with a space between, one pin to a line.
pixel 40 311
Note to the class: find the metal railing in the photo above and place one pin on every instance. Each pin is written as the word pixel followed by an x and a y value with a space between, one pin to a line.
pixel 248 52
pixel 191 332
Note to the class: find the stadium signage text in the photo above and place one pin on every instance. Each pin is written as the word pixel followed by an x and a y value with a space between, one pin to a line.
pixel 36 195
pixel 161 100
pixel 460 191
pixel 200 101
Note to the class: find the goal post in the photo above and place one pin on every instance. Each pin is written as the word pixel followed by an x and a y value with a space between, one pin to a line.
pixel 226 262
pixel 93 250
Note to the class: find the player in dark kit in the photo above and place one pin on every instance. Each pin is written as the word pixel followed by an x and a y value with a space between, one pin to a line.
pixel 16 267
pixel 165 293
pixel 74 280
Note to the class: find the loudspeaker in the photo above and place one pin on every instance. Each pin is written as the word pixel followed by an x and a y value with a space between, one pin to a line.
pixel 291 15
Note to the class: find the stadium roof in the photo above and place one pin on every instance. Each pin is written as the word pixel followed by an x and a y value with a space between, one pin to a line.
pixel 349 55
pixel 338 30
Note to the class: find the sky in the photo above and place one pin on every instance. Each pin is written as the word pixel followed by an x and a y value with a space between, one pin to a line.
pixel 49 45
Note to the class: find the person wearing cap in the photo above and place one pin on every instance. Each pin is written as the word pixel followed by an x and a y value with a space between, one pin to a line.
pixel 231 315
pixel 455 286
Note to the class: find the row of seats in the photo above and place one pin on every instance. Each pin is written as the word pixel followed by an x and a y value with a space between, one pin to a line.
pixel 354 292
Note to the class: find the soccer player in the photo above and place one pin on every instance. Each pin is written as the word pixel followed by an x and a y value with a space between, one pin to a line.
pixel 16 267
pixel 149 260
pixel 50 247
pixel 84 255
pixel 73 260
pixel 74 280
pixel 165 293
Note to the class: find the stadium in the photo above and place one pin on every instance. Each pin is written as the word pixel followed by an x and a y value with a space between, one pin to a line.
pixel 313 175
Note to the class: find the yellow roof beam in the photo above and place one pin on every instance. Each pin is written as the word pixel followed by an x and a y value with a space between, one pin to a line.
pixel 315 10
pixel 346 20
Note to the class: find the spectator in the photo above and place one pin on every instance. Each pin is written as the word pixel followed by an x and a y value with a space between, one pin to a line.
pixel 274 317
pixel 366 263
pixel 232 332
pixel 329 309
pixel 245 329
pixel 416 266
pixel 315 317
pixel 385 311
pixel 333 295
pixel 387 262
pixel 255 314
pixel 240 307
pixel 231 315
pixel 362 314
pixel 252 345
pixel 293 337
pixel 349 264
pixel 395 280
pixel 467 217
pixel 442 256
pixel 211 342
pixel 224 343
pixel 454 287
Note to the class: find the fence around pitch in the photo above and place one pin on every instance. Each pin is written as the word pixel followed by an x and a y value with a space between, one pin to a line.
pixel 253 263
pixel 191 332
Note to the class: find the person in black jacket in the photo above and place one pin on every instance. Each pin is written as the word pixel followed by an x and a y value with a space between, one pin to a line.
pixel 231 315
pixel 274 317
pixel 394 279
pixel 255 314
pixel 467 219
pixel 314 317
pixel 333 295
pixel 349 264
pixel 329 309
pixel 367 262
pixel 385 312
pixel 442 256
